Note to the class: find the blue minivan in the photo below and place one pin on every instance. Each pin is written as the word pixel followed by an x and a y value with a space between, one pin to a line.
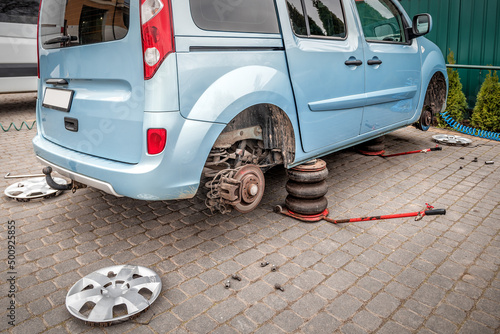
pixel 154 99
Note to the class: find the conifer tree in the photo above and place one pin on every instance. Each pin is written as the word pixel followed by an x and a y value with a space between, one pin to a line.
pixel 486 114
pixel 456 103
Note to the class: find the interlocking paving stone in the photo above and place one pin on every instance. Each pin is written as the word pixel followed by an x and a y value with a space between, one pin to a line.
pixel 383 305
pixel 485 319
pixel 192 307
pixel 308 305
pixel 392 327
pixel 322 323
pixel 367 320
pixel 226 310
pixel 408 319
pixel 269 328
pixel 288 320
pixel 341 280
pixel 344 307
pixel 308 280
pixel 255 292
pixel 440 274
pixel 440 325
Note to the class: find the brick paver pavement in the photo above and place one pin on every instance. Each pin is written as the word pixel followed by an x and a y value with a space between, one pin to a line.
pixel 437 275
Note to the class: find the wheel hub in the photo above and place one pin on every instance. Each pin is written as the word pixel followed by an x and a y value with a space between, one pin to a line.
pixel 251 189
pixel 426 118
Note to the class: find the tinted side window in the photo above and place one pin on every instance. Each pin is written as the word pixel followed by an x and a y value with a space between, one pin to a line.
pixel 19 11
pixel 381 21
pixel 297 17
pixel 325 18
pixel 258 16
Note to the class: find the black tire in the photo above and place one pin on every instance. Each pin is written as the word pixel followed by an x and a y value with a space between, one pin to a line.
pixel 306 206
pixel 307 190
pixel 307 177
pixel 372 148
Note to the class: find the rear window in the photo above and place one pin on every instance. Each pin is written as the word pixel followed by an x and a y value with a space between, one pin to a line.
pixel 257 16
pixel 79 22
pixel 19 11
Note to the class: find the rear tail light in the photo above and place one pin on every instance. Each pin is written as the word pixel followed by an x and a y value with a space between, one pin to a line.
pixel 157 139
pixel 157 34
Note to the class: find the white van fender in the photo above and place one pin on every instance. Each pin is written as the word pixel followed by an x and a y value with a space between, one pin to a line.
pixel 242 88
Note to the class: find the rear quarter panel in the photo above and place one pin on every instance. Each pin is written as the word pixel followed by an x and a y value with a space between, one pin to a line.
pixel 220 74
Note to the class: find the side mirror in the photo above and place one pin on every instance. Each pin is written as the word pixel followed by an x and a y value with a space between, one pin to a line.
pixel 422 24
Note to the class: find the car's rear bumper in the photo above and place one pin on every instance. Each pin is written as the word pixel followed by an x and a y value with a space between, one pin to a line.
pixel 173 174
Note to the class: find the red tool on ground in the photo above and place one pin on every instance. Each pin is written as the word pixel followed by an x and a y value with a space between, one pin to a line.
pixel 381 153
pixel 324 215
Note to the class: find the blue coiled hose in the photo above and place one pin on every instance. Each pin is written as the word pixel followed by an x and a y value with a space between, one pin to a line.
pixel 468 130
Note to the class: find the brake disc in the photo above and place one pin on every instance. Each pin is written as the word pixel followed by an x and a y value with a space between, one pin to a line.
pixel 251 188
pixel 451 140
pixel 24 191
pixel 113 294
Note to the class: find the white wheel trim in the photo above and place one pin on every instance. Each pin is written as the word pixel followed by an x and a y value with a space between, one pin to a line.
pixel 107 292
pixel 31 188
pixel 451 139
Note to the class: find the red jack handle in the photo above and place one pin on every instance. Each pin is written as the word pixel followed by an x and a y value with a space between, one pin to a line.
pixel 437 148
pixel 324 216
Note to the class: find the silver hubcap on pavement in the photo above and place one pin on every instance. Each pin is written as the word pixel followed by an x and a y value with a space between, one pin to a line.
pixel 113 294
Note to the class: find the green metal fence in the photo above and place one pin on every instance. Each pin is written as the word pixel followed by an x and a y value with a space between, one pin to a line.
pixel 471 29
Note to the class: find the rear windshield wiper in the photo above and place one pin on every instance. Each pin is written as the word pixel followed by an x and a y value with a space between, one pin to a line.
pixel 60 39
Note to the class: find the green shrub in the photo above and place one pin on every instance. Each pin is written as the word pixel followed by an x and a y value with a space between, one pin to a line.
pixel 457 103
pixel 486 114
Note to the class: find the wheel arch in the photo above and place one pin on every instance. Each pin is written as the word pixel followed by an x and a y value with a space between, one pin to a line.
pixel 435 95
pixel 258 92
pixel 434 101
pixel 434 76
pixel 277 128
pixel 434 80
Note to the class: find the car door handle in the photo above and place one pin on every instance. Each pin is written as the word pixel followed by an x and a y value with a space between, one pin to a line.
pixel 353 62
pixel 374 62
pixel 71 124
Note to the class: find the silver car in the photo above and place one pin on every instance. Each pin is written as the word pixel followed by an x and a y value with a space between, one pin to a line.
pixel 18 55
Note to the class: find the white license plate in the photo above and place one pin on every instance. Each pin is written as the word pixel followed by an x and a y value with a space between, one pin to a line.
pixel 58 99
